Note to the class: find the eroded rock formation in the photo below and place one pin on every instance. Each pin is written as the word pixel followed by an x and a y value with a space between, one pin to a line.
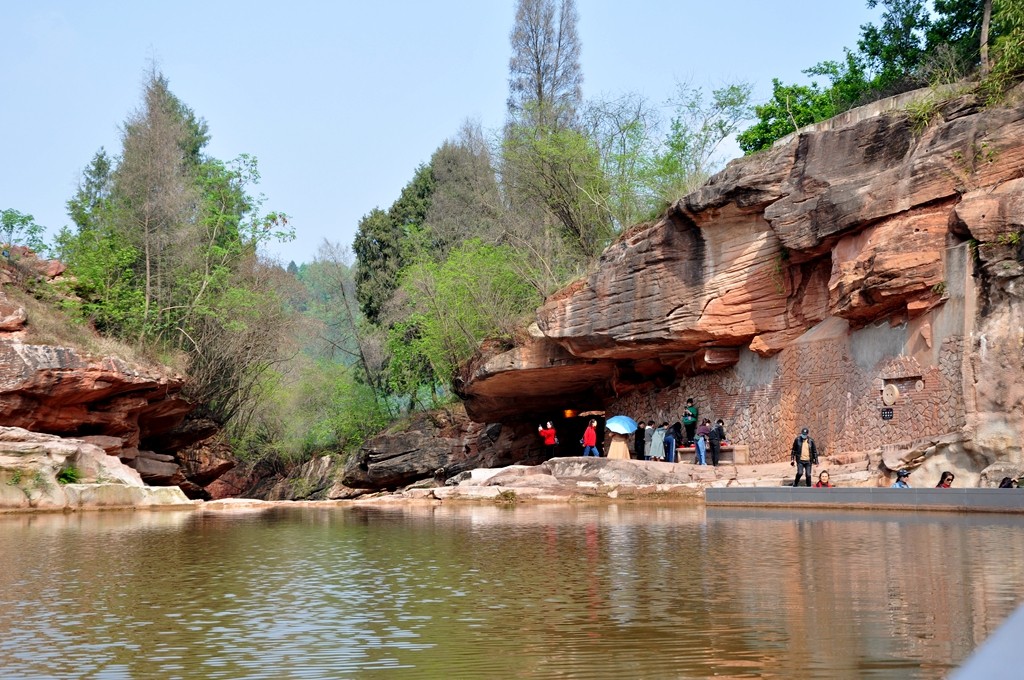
pixel 134 413
pixel 436 445
pixel 863 278
pixel 31 464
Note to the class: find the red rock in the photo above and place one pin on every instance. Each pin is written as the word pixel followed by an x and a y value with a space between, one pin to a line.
pixel 62 391
pixel 12 316
pixel 794 280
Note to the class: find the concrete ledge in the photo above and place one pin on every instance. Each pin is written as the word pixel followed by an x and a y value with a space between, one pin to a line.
pixel 958 500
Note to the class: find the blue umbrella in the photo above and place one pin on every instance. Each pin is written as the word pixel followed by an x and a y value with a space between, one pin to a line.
pixel 621 424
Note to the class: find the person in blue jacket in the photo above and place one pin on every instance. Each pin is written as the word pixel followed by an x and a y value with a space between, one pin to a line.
pixel 901 480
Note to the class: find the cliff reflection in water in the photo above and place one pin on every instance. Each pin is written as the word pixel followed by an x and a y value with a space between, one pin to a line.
pixel 477 591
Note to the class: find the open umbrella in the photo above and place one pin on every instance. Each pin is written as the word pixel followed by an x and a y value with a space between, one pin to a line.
pixel 621 424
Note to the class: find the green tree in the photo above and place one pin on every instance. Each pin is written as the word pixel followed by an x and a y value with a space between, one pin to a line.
pixel 385 242
pixel 154 196
pixel 624 131
pixel 466 200
pixel 477 293
pixel 1008 48
pixel 561 171
pixel 17 228
pixel 165 252
pixel 790 108
pixel 699 125
pixel 893 50
pixel 957 25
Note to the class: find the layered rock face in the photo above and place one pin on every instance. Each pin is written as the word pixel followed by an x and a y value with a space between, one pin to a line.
pixel 31 464
pixel 437 445
pixel 862 279
pixel 134 414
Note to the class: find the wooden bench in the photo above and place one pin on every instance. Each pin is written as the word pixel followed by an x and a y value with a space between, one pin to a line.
pixel 737 454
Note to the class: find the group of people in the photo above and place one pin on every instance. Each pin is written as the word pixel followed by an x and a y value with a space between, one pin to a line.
pixel 652 442
pixel 946 481
pixel 617 448
pixel 663 442
pixel 804 454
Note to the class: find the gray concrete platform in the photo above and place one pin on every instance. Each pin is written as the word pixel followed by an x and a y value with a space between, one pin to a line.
pixel 957 500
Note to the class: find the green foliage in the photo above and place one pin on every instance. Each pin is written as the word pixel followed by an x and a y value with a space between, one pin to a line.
pixel 1010 238
pixel 623 131
pixel 790 108
pixel 324 408
pixel 20 229
pixel 894 49
pixel 698 127
pixel 69 474
pixel 164 252
pixel 107 292
pixel 16 477
pixel 560 169
pixel 478 292
pixel 1008 50
pixel 910 47
pixel 922 112
pixel 466 200
pixel 385 242
pixel 957 25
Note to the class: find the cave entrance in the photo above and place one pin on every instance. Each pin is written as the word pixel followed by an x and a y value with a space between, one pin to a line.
pixel 570 427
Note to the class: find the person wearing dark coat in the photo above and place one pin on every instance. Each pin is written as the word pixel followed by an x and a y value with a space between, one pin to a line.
pixel 715 437
pixel 803 455
pixel 638 441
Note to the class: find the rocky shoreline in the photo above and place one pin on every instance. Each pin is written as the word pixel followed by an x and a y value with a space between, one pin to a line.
pixel 559 480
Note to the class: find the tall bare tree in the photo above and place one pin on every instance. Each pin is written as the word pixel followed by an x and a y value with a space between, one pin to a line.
pixel 157 199
pixel 545 78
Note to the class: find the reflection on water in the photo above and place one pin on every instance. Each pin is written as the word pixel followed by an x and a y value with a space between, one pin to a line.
pixel 482 591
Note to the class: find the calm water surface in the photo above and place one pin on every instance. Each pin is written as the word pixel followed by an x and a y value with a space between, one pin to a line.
pixel 487 592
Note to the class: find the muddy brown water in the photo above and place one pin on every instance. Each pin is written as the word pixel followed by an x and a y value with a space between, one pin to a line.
pixel 480 591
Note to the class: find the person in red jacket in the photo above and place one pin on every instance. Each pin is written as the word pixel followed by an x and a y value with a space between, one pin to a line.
pixel 590 440
pixel 550 438
pixel 823 480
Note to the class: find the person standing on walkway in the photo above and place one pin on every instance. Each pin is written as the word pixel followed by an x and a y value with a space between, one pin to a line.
pixel 550 438
pixel 690 415
pixel 649 440
pixel 700 442
pixel 618 449
pixel 590 440
pixel 803 455
pixel 901 480
pixel 670 443
pixel 658 443
pixel 638 441
pixel 715 436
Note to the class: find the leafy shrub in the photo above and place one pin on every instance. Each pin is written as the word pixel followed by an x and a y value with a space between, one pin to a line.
pixel 69 474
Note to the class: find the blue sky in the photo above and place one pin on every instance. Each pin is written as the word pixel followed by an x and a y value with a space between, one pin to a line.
pixel 341 101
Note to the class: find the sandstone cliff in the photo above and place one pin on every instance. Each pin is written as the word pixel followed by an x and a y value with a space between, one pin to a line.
pixel 131 412
pixel 862 278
